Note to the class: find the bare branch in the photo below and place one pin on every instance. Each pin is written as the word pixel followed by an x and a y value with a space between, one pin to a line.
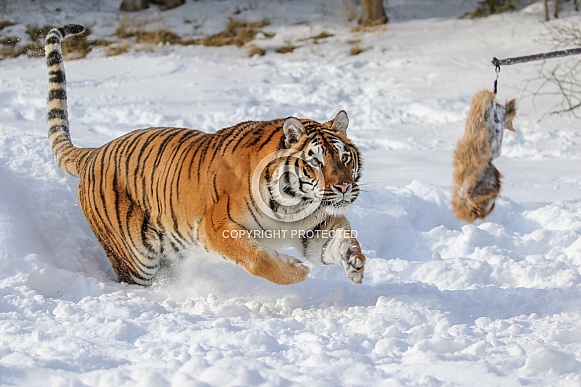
pixel 561 78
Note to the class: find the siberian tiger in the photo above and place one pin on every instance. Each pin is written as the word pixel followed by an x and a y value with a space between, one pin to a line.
pixel 241 192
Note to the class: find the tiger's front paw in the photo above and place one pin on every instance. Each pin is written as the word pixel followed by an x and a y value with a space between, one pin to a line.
pixel 354 263
pixel 291 271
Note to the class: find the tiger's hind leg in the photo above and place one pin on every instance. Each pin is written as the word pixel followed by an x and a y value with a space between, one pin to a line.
pixel 130 242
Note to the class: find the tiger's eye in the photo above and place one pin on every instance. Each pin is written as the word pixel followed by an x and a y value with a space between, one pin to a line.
pixel 314 162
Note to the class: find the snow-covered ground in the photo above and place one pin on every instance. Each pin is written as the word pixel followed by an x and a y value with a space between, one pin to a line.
pixel 443 302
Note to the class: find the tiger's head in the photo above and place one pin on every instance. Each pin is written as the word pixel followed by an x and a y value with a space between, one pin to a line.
pixel 317 169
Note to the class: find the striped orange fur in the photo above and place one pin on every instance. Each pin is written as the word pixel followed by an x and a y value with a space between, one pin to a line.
pixel 153 193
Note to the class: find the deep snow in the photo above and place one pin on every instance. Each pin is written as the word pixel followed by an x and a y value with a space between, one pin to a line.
pixel 443 302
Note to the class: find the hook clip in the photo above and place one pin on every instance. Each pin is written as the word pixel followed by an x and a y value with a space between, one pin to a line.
pixel 496 64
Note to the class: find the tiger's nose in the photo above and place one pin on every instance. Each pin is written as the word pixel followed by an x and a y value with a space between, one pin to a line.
pixel 343 187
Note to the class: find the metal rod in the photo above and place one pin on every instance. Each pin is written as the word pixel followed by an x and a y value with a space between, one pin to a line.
pixel 529 58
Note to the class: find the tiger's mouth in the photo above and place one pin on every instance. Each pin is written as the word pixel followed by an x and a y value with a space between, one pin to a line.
pixel 340 196
pixel 336 208
pixel 338 202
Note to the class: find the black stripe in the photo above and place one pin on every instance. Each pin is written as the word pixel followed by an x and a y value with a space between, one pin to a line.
pixel 230 215
pixel 272 204
pixel 57 94
pixel 176 249
pixel 104 151
pixel 145 239
pixel 318 227
pixel 132 141
pixel 212 146
pixel 242 135
pixel 73 29
pixel 129 215
pixel 305 243
pixel 54 58
pixel 198 148
pixel 269 138
pixel 57 113
pixel 251 212
pixel 142 136
pixel 327 145
pixel 165 175
pixel 65 149
pixel 57 128
pixel 254 204
pixel 215 189
pixel 144 153
pixel 53 39
pixel 115 190
pixel 182 240
pixel 204 149
pixel 254 137
pixel 311 127
pixel 216 150
pixel 235 132
pixel 59 140
pixel 57 76
pixel 169 136
pixel 155 175
pixel 186 142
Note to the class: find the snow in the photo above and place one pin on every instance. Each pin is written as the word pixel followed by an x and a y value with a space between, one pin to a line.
pixel 443 303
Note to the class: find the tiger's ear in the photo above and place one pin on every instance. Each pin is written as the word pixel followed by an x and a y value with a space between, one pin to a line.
pixel 341 122
pixel 293 130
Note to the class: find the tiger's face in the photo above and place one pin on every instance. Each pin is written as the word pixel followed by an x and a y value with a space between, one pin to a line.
pixel 329 171
pixel 318 169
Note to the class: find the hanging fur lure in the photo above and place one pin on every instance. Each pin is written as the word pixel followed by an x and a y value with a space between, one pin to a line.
pixel 477 182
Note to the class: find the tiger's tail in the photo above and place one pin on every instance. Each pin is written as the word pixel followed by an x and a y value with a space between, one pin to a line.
pixel 68 157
